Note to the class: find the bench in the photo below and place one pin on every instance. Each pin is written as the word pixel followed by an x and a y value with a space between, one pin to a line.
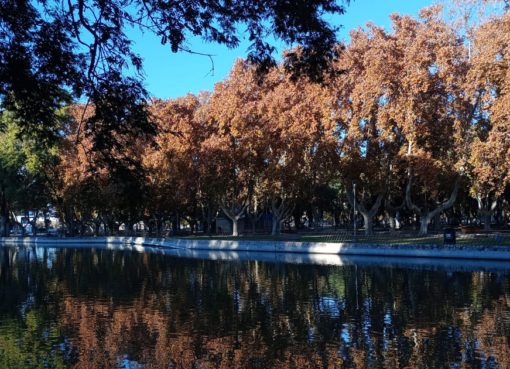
pixel 290 237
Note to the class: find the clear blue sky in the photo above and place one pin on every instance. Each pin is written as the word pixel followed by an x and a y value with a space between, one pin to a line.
pixel 170 75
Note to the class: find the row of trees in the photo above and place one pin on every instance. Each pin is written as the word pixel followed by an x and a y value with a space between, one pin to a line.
pixel 416 117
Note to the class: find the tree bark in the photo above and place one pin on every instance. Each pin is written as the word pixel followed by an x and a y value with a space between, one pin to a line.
pixel 426 217
pixel 368 215
pixel 486 210
pixel 280 212
pixel 234 213
pixel 437 222
pixel 392 212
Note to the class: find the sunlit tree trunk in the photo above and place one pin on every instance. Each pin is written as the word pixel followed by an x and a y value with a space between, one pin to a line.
pixel 486 209
pixel 234 213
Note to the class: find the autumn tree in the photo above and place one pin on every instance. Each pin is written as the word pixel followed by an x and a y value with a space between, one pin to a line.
pixel 51 52
pixel 301 132
pixel 488 44
pixel 87 194
pixel 237 144
pixel 414 105
pixel 370 145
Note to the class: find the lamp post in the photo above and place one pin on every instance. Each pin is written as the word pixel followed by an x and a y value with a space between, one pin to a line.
pixel 354 190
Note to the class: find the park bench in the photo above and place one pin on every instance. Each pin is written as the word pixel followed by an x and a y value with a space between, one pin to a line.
pixel 290 237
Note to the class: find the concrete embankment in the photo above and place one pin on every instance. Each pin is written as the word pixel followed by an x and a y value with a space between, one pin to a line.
pixel 421 251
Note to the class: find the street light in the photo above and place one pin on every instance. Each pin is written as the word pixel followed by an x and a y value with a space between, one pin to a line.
pixel 354 186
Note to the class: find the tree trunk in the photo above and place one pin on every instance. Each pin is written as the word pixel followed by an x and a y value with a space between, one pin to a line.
pixel 280 212
pixel 192 224
pixel 426 217
pixel 368 215
pixel 350 222
pixel 235 231
pixel 275 231
pixel 486 209
pixel 424 225
pixel 253 220
pixel 487 221
pixel 209 216
pixel 234 213
pixel 391 221
pixel 369 223
pixel 4 227
pixel 296 214
pixel 437 222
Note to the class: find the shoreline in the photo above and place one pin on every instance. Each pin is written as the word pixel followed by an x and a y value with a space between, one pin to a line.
pixel 313 248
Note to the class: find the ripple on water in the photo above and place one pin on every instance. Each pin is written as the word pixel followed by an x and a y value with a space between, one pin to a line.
pixel 113 308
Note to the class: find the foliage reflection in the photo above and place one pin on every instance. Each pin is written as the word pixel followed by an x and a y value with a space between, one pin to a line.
pixel 102 308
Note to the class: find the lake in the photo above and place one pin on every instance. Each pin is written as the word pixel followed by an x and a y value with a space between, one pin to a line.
pixel 103 308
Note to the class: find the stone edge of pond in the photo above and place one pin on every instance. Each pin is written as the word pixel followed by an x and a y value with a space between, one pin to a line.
pixel 418 250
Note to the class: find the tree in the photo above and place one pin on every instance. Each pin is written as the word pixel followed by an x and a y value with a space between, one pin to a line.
pixel 301 142
pixel 490 57
pixel 24 162
pixel 407 103
pixel 237 143
pixel 51 52
pixel 369 152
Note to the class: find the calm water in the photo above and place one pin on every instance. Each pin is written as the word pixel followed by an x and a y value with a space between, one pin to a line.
pixel 98 308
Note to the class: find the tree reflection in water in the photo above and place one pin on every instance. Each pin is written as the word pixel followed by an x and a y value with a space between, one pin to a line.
pixel 98 308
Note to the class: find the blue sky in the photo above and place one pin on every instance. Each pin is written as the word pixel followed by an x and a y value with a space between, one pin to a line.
pixel 169 75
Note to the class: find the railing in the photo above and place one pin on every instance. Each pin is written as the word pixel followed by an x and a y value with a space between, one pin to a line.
pixel 404 236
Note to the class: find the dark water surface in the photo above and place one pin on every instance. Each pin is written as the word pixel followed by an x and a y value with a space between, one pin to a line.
pixel 99 308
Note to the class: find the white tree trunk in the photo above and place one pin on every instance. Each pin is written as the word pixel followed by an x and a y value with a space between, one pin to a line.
pixel 486 210
pixel 235 232
pixel 425 220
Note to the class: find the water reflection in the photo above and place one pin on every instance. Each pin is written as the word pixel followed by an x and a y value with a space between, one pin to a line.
pixel 100 308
